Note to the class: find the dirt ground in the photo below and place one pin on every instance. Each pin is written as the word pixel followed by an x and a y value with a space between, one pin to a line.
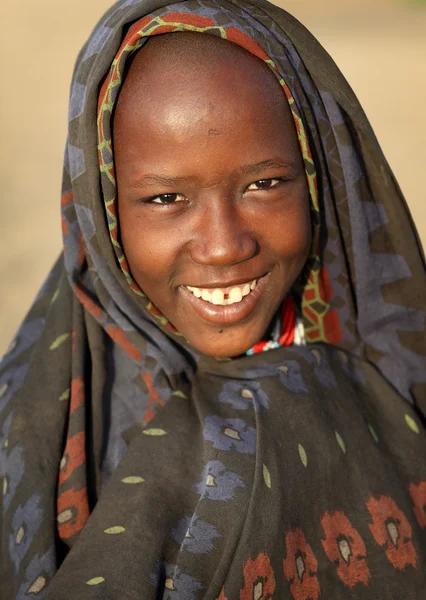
pixel 380 46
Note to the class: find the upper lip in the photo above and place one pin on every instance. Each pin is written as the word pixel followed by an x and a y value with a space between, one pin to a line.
pixel 226 284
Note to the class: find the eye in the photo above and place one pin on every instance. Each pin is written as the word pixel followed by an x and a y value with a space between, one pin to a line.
pixel 166 199
pixel 265 184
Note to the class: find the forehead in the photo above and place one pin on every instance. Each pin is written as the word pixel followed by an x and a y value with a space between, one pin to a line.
pixel 192 67
pixel 185 86
pixel 193 103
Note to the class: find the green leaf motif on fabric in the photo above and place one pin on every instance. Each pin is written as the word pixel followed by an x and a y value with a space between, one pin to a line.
pixel 133 479
pixel 303 455
pixel 95 581
pixel 55 295
pixel 161 319
pixel 114 530
pixel 412 424
pixel 340 442
pixel 373 433
pixel 65 395
pixel 267 476
pixel 154 432
pixel 59 340
pixel 180 394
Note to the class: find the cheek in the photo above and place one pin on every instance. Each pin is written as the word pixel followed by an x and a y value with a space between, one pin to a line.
pixel 289 235
pixel 150 254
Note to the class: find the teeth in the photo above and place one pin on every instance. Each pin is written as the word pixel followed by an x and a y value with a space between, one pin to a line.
pixel 235 295
pixel 246 289
pixel 217 296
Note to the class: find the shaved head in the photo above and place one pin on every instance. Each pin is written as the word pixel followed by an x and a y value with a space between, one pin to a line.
pixel 193 52
pixel 202 62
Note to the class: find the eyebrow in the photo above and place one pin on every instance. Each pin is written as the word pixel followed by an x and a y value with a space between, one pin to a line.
pixel 271 163
pixel 250 169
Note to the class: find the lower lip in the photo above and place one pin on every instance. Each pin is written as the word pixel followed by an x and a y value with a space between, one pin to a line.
pixel 227 315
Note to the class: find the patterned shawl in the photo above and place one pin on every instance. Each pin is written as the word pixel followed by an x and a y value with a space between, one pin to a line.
pixel 133 466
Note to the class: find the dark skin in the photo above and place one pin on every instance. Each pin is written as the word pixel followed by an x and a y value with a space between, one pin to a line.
pixel 212 192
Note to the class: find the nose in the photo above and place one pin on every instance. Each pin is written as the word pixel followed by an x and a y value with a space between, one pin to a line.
pixel 222 237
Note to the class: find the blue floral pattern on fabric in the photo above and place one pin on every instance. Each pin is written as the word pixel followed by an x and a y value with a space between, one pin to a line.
pixel 25 522
pixel 28 335
pixel 351 369
pixel 227 434
pixel 319 360
pixel 288 373
pixel 195 535
pixel 10 382
pixel 37 576
pixel 179 586
pixel 243 394
pixel 290 377
pixel 12 468
pixel 217 483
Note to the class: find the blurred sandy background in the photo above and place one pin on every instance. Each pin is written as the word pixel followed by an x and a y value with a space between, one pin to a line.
pixel 380 45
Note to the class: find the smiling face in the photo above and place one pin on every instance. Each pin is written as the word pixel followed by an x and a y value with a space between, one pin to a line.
pixel 212 194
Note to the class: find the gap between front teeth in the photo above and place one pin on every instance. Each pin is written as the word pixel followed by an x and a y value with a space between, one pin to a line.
pixel 217 296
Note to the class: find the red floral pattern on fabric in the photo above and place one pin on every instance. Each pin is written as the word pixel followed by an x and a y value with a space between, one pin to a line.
pixel 259 580
pixel 73 512
pixel 73 506
pixel 154 397
pixel 74 456
pixel 64 226
pixel 418 496
pixel 122 340
pixel 241 39
pixel 300 567
pixel 345 547
pixel 90 305
pixel 66 200
pixel 392 531
pixel 188 19
pixel 77 394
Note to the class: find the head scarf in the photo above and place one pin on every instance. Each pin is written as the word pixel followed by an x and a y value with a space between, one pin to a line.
pixel 135 467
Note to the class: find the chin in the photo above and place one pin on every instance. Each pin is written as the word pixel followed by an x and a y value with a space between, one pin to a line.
pixel 229 346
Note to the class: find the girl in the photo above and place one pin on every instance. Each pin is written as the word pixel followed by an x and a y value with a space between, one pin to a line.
pixel 219 391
